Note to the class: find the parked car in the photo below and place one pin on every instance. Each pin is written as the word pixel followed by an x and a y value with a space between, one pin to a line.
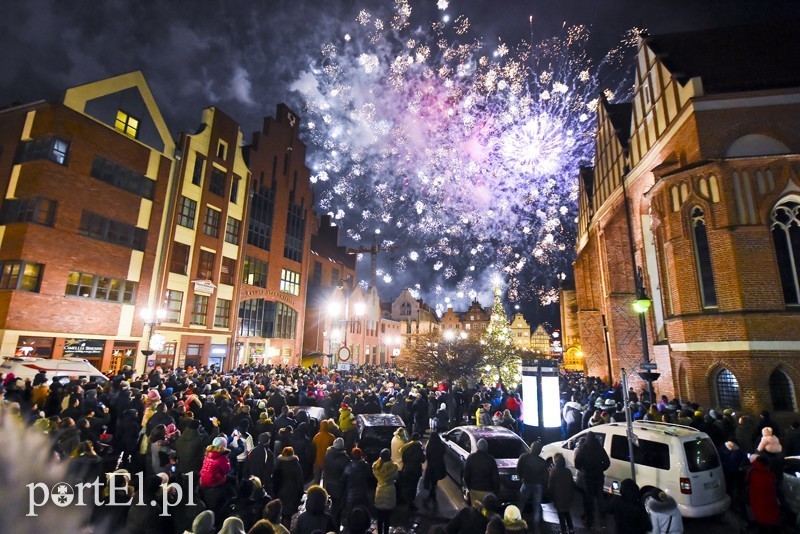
pixel 314 412
pixel 375 432
pixel 676 459
pixel 791 486
pixel 61 370
pixel 504 446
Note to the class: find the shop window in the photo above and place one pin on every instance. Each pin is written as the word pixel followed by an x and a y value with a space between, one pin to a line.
pixel 194 355
pixel 35 347
pixel 179 263
pixel 290 282
pixel 232 231
pixel 267 319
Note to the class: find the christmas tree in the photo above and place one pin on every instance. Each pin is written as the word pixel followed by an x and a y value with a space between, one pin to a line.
pixel 501 363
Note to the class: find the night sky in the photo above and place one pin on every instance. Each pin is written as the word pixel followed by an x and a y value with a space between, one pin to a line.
pixel 243 56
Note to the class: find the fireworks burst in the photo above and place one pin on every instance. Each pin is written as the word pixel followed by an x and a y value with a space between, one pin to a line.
pixel 466 157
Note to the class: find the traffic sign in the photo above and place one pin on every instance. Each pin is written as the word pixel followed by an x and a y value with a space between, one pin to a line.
pixel 650 366
pixel 344 354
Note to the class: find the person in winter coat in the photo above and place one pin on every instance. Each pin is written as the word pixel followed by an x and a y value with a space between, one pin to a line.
pixel 261 463
pixel 288 481
pixel 763 494
pixel 532 471
pixel 435 468
pixel 474 519
pixel 481 475
pixel 413 455
pixel 244 444
pixel 561 488
pixel 442 418
pixel 591 461
pixel 321 442
pixel 630 514
pixel 204 523
pixel 386 472
pixel 733 462
pixel 126 438
pixel 665 518
pixel 483 416
pixel 512 520
pixel 347 426
pixel 315 519
pixel 249 502
pixel 232 525
pixel 273 512
pixel 336 461
pixel 190 448
pixel 216 464
pixel 356 478
pixel 399 439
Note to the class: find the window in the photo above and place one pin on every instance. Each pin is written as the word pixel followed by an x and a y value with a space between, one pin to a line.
pixel 235 189
pixel 222 149
pixel 728 390
pixel 173 301
pixel 179 263
pixel 295 233
pixel 254 272
pixel 290 282
pixel 785 225
pixel 702 255
pixel 49 148
pixel 197 172
pixel 205 267
pixel 223 313
pixel 701 455
pixel 98 287
pixel 20 275
pixel 781 392
pixel 211 225
pixel 335 277
pixel 317 279
pixel 112 231
pixel 227 271
pixel 262 209
pixel 648 452
pixel 199 310
pixel 232 231
pixel 217 183
pixel 464 442
pixel 127 124
pixel 122 178
pixel 37 210
pixel 187 209
pixel 267 319
pixel 194 353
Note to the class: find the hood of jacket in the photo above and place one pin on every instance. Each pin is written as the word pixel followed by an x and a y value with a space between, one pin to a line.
pixel 536 447
pixel 658 506
pixel 316 499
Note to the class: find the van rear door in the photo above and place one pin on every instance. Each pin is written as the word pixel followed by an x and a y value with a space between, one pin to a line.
pixel 706 481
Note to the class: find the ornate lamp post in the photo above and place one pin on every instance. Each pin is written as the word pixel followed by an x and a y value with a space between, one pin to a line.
pixel 151 320
pixel 641 305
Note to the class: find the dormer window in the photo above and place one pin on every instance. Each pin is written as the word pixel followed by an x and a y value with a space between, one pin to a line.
pixel 127 124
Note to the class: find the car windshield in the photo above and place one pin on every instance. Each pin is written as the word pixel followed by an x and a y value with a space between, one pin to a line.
pixel 505 448
pixel 701 455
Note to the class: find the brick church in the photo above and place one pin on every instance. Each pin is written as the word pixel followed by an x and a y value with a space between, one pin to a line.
pixel 695 185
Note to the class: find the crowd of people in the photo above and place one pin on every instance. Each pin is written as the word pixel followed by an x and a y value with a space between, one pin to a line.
pixel 243 445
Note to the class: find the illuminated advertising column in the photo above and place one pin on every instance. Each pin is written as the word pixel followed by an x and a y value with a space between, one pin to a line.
pixel 541 407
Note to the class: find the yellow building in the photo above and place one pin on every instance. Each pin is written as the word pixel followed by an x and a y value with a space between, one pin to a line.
pixel 521 332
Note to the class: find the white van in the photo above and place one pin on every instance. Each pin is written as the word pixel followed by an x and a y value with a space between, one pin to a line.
pixel 676 459
pixel 62 370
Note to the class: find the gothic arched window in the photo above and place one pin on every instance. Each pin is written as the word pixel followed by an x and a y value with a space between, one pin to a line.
pixel 785 226
pixel 702 255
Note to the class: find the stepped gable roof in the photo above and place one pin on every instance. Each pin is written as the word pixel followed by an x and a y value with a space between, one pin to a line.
pixel 739 58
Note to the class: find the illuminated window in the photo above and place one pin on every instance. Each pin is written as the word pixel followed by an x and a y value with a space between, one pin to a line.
pixel 223 313
pixel 728 390
pixel 199 310
pixel 100 287
pixel 290 282
pixel 49 148
pixel 127 124
pixel 173 301
pixel 20 275
pixel 254 272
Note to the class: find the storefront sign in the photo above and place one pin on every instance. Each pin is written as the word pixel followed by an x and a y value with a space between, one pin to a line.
pixel 204 286
pixel 84 347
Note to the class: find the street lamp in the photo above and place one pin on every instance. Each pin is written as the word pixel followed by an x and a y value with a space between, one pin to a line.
pixel 151 320
pixel 360 309
pixel 641 305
